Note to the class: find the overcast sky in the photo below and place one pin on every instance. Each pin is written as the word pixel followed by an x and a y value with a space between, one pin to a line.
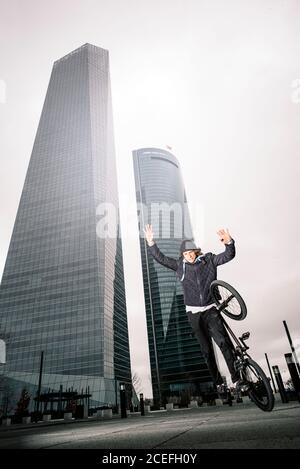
pixel 217 81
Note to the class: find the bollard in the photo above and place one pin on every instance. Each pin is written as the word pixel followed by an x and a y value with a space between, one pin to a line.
pixel 26 419
pixel 229 397
pixel 291 345
pixel 280 385
pixel 147 409
pixel 170 406
pixel 219 402
pixel 107 413
pixel 85 410
pixel 6 421
pixel 123 401
pixel 142 404
pixel 293 373
pixel 193 404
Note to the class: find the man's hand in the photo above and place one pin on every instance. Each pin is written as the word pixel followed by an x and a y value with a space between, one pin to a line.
pixel 224 236
pixel 149 235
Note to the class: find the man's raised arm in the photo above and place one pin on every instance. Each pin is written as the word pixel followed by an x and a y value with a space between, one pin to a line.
pixel 168 262
pixel 229 253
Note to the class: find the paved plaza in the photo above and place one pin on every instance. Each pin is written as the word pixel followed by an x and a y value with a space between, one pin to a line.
pixel 239 426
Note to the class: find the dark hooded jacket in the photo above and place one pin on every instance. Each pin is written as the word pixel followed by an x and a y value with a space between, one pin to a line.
pixel 195 277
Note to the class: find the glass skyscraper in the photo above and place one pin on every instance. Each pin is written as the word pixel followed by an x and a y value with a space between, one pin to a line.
pixel 62 290
pixel 177 365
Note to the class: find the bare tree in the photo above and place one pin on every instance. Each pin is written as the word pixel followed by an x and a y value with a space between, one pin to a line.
pixel 136 382
pixel 23 403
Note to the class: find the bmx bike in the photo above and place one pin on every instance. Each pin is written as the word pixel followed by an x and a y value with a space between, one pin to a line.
pixel 253 380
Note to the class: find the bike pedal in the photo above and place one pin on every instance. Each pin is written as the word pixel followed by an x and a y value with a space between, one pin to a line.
pixel 245 387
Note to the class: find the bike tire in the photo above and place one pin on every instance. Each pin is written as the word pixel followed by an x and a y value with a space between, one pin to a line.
pixel 255 390
pixel 216 296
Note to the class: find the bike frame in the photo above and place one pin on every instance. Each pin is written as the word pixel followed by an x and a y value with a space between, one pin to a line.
pixel 241 348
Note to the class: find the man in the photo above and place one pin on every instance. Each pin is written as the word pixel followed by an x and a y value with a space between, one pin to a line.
pixel 196 271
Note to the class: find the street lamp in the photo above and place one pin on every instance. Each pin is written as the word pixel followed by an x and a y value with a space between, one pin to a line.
pixel 123 400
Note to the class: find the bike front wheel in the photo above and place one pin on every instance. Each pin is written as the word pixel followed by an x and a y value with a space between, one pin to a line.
pixel 259 389
pixel 229 301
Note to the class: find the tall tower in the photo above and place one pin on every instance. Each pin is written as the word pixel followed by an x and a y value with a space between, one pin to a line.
pixel 62 289
pixel 177 365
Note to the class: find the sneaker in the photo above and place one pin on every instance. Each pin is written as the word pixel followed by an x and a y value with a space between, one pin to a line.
pixel 221 390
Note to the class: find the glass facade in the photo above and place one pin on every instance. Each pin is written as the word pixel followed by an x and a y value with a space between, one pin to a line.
pixel 177 365
pixel 63 289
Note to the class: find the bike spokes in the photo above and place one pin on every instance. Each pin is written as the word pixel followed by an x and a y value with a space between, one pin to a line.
pixel 229 302
pixel 226 302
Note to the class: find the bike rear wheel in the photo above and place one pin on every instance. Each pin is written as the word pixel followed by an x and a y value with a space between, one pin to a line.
pixel 259 391
pixel 229 301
